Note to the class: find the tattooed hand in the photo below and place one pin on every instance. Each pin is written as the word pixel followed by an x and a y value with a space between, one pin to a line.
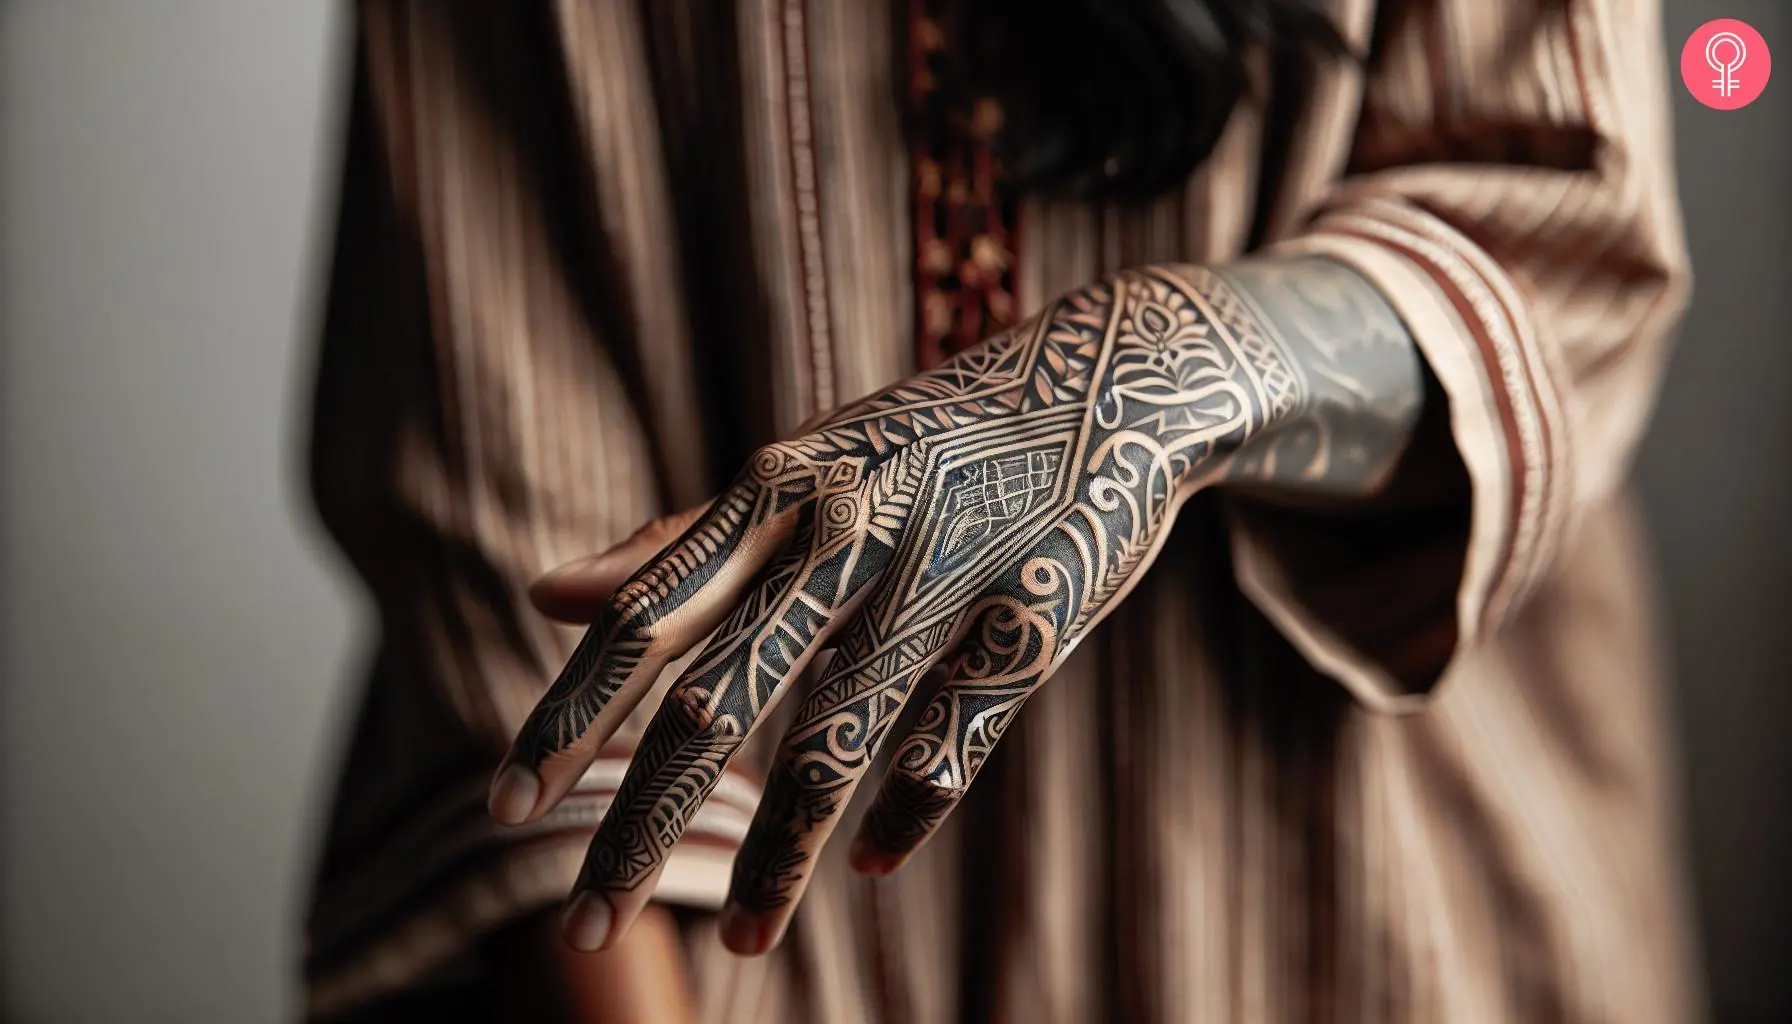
pixel 968 526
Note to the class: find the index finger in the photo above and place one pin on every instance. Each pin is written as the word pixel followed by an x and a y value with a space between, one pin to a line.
pixel 658 615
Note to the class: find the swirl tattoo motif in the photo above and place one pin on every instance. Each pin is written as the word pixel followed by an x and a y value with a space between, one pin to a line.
pixel 967 526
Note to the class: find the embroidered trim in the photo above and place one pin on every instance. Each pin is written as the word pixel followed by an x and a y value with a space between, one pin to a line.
pixel 800 128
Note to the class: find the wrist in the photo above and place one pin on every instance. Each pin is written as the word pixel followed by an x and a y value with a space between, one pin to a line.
pixel 1346 382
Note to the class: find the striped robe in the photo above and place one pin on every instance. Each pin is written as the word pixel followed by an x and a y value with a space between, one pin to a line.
pixel 592 251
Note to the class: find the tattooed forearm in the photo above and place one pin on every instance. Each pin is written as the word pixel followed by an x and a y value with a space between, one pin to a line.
pixel 1361 383
pixel 968 525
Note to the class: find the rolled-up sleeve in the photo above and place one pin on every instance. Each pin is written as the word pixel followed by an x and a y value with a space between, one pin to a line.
pixel 1511 193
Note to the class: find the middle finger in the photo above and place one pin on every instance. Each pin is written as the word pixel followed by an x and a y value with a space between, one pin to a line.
pixel 782 620
pixel 826 753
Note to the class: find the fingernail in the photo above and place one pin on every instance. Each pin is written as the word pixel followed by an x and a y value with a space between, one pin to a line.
pixel 586 923
pixel 513 795
pixel 744 933
pixel 869 860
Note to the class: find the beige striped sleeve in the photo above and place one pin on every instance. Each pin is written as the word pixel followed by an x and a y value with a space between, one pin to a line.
pixel 1511 191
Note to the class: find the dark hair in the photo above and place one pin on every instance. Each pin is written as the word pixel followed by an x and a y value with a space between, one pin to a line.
pixel 1123 99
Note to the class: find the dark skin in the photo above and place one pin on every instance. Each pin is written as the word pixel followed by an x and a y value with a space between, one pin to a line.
pixel 952 538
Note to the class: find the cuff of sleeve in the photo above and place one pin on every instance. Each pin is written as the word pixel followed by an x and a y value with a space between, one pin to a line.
pixel 1389 601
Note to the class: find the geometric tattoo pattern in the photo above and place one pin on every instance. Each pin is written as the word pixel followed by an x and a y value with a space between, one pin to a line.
pixel 963 529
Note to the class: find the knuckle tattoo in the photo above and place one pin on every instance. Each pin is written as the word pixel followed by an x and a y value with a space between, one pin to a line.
pixel 1028 480
pixel 695 714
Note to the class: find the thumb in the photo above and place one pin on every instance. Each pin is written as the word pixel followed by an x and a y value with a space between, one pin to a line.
pixel 577 591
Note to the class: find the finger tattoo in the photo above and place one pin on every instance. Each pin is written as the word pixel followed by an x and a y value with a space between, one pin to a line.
pixel 1011 495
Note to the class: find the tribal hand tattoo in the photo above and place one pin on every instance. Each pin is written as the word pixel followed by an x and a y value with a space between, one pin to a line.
pixel 951 539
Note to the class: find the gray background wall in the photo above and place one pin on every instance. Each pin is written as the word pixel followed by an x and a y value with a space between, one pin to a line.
pixel 172 644
pixel 170 640
pixel 1717 475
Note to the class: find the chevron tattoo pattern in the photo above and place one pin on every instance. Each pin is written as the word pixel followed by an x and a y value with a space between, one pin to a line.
pixel 953 537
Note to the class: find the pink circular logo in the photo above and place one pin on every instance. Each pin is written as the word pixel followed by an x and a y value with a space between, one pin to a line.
pixel 1726 64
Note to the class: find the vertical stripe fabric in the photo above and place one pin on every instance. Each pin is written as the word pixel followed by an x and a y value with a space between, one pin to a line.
pixel 1395 763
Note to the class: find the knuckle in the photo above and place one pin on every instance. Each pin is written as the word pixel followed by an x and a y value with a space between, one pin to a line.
pixel 938 787
pixel 697 718
pixel 690 709
pixel 629 611
pixel 910 808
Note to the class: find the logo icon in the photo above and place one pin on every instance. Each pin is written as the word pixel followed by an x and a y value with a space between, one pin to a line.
pixel 1725 64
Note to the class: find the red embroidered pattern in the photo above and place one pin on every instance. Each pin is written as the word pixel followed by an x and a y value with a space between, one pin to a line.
pixel 965 210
